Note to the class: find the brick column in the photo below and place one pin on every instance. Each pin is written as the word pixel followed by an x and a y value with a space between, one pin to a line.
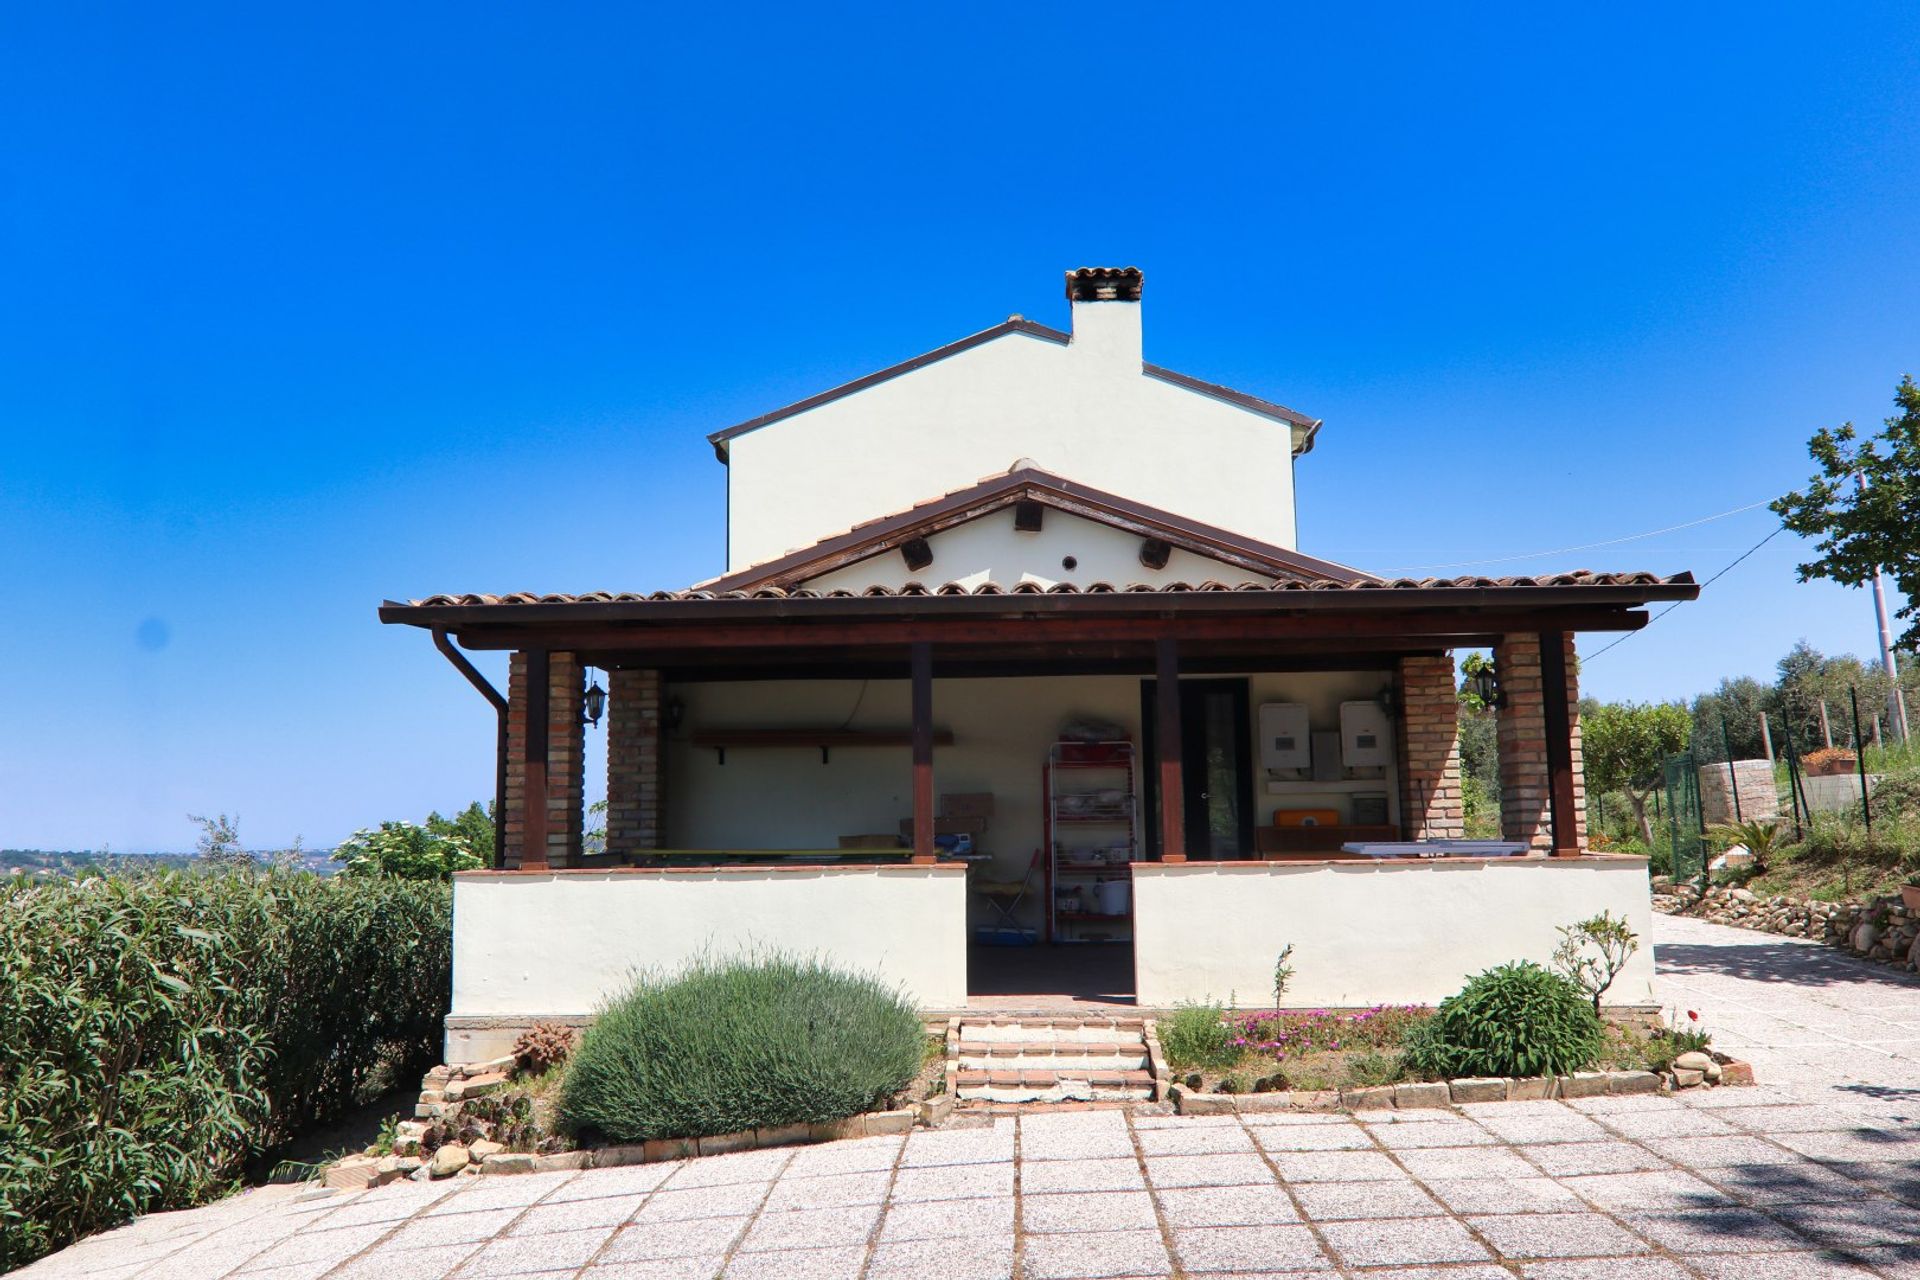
pixel 1525 809
pixel 1429 742
pixel 635 760
pixel 565 798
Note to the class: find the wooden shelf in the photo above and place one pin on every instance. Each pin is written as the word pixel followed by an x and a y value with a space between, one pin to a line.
pixel 823 739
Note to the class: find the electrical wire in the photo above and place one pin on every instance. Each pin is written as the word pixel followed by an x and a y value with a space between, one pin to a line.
pixel 1677 603
pixel 1585 546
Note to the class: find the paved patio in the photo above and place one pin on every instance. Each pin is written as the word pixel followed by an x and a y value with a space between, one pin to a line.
pixel 1818 1175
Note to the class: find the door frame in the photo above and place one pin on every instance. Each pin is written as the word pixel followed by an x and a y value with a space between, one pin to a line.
pixel 1239 687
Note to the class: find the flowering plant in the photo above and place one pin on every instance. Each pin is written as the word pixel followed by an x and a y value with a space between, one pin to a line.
pixel 1303 1031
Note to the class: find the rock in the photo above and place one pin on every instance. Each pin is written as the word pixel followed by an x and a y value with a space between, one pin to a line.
pixel 406 1144
pixel 1529 1088
pixel 481 1149
pixel 1685 1078
pixel 1421 1095
pixel 433 1095
pixel 1367 1099
pixel 1736 1072
pixel 474 1086
pixel 353 1173
pixel 507 1162
pixel 1583 1084
pixel 1863 937
pixel 1693 1061
pixel 1713 1072
pixel 449 1160
pixel 1632 1082
pixel 1743 895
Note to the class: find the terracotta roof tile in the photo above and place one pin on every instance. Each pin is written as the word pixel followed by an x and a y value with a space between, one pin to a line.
pixel 1576 579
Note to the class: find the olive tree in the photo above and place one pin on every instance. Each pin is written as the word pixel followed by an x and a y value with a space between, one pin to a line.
pixel 1624 744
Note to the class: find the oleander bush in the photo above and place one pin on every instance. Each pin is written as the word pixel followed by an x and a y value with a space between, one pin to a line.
pixel 1514 1020
pixel 160 1030
pixel 723 1046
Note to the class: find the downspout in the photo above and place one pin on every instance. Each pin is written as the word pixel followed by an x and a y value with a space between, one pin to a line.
pixel 491 694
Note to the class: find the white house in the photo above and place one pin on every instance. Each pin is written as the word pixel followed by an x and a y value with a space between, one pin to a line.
pixel 1016 689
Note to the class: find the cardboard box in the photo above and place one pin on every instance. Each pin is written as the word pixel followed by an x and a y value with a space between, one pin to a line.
pixel 947 826
pixel 967 804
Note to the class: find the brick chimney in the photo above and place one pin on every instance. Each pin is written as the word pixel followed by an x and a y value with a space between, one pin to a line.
pixel 1106 314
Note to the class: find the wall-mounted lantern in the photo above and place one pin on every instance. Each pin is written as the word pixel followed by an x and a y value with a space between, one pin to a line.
pixel 593 703
pixel 1484 684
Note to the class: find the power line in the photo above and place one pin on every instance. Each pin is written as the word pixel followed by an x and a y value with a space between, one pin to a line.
pixel 1703 586
pixel 1586 546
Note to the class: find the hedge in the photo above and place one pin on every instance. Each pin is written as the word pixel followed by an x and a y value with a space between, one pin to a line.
pixel 159 1030
pixel 753 1043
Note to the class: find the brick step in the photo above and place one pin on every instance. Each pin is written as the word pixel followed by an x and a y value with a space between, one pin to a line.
pixel 1053 1086
pixel 1041 1060
pixel 1081 1048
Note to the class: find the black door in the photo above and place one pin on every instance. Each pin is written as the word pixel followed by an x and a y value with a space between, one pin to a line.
pixel 1215 755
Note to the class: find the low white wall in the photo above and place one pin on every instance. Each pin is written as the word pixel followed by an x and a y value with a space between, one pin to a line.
pixel 1370 933
pixel 529 945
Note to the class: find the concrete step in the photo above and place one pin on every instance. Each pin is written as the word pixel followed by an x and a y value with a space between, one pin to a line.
pixel 1039 1057
pixel 1017 1060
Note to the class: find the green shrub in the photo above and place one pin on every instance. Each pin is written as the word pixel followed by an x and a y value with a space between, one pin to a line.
pixel 1197 1035
pixel 405 851
pixel 752 1043
pixel 1515 1020
pixel 159 1030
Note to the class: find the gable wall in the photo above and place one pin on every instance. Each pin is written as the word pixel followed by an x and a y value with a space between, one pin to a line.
pixel 990 549
pixel 949 424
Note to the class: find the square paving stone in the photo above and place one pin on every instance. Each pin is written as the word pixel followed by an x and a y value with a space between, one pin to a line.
pixel 1314 1137
pixel 1088 1211
pixel 1186 1122
pixel 954 1181
pixel 631 1179
pixel 689 1268
pixel 1612 1105
pixel 1292 1119
pixel 676 1239
pixel 1087 1254
pixel 1557 1235
pixel 454 1228
pixel 1108 1143
pixel 1857 1223
pixel 1503 1195
pixel 720 1171
pixel 1898 1260
pixel 502 1193
pixel 575 1215
pixel 1336 1166
pixel 1791 1118
pixel 1399 1241
pixel 985 1217
pixel 977 1258
pixel 1706 1153
pixel 415 1264
pixel 1226 1207
pixel 1218 1140
pixel 1243 1249
pixel 1606 1269
pixel 957 1146
pixel 564 1251
pixel 1770 1184
pixel 1858 1144
pixel 1330 1201
pixel 336 1244
pixel 858 1155
pixel 1434 1133
pixel 1081 1175
pixel 1715 1231
pixel 729 1201
pixel 1659 1189
pixel 1569 1159
pixel 812 1228
pixel 1554 1126
pixel 1683 1123
pixel 1466 1162
pixel 1778 1266
pixel 1209 1171
pixel 828 1190
pixel 841 1262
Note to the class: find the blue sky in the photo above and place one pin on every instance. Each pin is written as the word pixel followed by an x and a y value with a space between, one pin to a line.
pixel 307 308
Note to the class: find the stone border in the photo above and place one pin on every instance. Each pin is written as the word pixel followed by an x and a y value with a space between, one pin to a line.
pixel 1448 1093
pixel 1877 929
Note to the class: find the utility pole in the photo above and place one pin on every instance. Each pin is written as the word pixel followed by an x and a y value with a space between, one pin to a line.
pixel 1896 700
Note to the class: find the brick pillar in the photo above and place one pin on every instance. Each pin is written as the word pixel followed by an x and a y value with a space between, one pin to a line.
pixel 1525 808
pixel 635 760
pixel 566 798
pixel 1429 742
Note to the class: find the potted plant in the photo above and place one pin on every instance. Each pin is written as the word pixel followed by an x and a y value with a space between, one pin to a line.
pixel 1910 893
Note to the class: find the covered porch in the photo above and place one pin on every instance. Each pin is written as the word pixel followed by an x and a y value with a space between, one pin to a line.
pixel 749 733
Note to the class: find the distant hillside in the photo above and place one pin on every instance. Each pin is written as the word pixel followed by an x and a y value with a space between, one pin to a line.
pixel 64 864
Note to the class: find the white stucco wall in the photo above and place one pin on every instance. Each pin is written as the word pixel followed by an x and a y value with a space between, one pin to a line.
pixel 561 943
pixel 1366 934
pixel 990 549
pixel 785 798
pixel 1084 411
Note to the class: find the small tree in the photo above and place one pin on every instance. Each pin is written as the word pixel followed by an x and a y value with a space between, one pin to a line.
pixel 219 841
pixel 1624 744
pixel 404 851
pixel 1593 952
pixel 1862 530
pixel 474 824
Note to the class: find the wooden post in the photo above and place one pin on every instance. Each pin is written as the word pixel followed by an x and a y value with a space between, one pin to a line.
pixel 1559 727
pixel 1166 731
pixel 1766 738
pixel 1826 726
pixel 533 788
pixel 923 752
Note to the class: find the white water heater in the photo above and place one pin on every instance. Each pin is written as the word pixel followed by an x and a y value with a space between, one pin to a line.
pixel 1285 736
pixel 1366 736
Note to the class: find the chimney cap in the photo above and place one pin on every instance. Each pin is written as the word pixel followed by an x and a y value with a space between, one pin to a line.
pixel 1104 284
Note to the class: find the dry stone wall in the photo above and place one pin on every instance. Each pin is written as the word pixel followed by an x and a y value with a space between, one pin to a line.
pixel 1879 929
